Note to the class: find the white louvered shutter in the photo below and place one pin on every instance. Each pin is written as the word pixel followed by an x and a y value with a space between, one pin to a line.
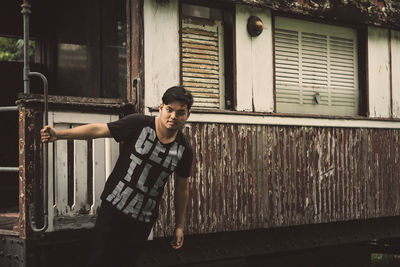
pixel 202 66
pixel 316 68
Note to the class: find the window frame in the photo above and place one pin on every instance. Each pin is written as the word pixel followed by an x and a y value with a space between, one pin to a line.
pixel 228 21
pixel 44 35
pixel 96 47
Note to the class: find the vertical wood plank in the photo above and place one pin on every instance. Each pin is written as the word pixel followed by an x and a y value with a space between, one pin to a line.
pixel 61 174
pixel 111 152
pixel 99 172
pixel 80 176
pixel 254 62
pixel 161 33
pixel 378 72
pixel 51 202
pixel 262 65
pixel 243 60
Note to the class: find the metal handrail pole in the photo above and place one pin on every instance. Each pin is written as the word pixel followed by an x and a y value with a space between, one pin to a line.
pixel 26 10
pixel 8 108
pixel 45 95
pixel 44 159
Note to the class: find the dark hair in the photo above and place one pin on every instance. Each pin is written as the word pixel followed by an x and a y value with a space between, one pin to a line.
pixel 178 93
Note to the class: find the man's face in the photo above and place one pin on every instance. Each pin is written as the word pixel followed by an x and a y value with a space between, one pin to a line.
pixel 174 115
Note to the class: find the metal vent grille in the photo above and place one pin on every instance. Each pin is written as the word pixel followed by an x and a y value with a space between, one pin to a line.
pixel 201 61
pixel 313 59
pixel 342 72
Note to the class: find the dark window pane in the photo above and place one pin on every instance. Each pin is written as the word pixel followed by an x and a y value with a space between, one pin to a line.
pixel 114 49
pixel 91 48
pixel 73 69
pixel 200 12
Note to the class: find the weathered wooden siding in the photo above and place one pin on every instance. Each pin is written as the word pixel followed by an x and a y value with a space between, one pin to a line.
pixel 254 62
pixel 262 176
pixel 379 72
pixel 161 49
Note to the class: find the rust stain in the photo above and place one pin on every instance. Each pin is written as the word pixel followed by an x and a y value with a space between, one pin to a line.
pixel 22 208
pixel 27 128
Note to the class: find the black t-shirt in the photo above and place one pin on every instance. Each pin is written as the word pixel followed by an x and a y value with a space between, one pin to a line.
pixel 137 181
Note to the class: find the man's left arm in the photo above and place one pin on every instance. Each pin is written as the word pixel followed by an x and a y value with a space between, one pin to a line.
pixel 181 201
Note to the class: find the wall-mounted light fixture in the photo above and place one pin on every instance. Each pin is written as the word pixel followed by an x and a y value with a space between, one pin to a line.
pixel 254 26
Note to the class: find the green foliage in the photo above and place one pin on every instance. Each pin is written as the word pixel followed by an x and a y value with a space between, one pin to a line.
pixel 385 260
pixel 12 49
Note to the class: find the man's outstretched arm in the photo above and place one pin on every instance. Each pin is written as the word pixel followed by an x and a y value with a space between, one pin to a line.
pixel 88 131
pixel 181 201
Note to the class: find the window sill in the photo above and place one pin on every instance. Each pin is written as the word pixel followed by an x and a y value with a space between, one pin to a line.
pixel 264 118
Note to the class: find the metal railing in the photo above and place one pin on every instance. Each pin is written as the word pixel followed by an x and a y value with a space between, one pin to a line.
pixel 8 108
pixel 9 169
pixel 26 11
pixel 44 161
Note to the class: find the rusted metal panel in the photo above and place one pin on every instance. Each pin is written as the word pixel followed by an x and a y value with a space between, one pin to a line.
pixel 29 166
pixel 12 251
pixel 262 176
pixel 22 172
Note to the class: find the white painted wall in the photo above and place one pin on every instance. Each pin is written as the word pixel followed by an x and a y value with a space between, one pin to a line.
pixel 254 61
pixel 396 73
pixel 161 49
pixel 379 72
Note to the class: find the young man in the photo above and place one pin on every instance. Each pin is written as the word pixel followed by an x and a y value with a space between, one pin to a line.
pixel 153 148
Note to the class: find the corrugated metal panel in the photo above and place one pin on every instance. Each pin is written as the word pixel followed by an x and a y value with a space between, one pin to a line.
pixel 201 60
pixel 253 176
pixel 315 58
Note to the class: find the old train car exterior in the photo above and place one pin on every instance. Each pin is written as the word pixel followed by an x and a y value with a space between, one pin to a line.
pixel 295 129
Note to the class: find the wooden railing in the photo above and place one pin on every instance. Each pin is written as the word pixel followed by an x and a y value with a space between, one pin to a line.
pixel 78 170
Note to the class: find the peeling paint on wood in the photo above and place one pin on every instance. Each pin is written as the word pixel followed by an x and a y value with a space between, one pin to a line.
pixel 395 65
pixel 379 73
pixel 161 69
pixel 261 176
